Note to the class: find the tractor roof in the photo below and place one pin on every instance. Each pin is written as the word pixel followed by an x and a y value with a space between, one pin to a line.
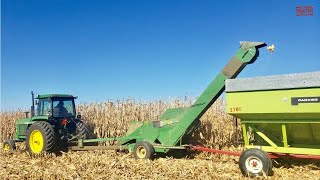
pixel 44 96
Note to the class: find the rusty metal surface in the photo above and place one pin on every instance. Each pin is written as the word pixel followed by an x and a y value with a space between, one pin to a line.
pixel 233 67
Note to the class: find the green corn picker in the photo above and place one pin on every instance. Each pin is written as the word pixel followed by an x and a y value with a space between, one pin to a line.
pixel 48 130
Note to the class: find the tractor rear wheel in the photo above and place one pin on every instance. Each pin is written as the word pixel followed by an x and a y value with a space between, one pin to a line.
pixel 9 146
pixel 83 133
pixel 41 138
pixel 255 162
pixel 143 150
pixel 81 130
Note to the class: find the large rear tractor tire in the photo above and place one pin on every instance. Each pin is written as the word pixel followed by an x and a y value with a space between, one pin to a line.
pixel 83 133
pixel 41 138
pixel 143 150
pixel 9 146
pixel 81 130
pixel 255 162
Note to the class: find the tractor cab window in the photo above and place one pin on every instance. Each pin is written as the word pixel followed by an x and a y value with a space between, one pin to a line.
pixel 44 106
pixel 63 107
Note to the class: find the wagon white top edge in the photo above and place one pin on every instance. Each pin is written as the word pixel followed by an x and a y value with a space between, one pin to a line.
pixel 286 81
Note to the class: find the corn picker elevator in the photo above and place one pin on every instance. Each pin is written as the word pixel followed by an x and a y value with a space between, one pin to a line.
pixel 145 139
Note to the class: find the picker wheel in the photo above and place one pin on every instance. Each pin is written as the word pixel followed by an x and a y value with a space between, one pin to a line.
pixel 9 146
pixel 143 150
pixel 255 162
pixel 41 138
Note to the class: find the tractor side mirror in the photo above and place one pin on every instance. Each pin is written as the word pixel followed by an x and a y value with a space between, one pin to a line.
pixel 79 116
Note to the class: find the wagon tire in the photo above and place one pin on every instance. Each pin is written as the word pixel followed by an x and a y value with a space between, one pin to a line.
pixel 41 138
pixel 143 150
pixel 9 146
pixel 255 162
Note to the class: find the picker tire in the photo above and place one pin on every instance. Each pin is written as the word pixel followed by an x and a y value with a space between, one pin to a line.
pixel 9 146
pixel 255 162
pixel 143 150
pixel 41 138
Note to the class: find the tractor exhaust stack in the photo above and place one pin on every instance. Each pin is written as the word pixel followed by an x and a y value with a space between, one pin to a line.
pixel 32 107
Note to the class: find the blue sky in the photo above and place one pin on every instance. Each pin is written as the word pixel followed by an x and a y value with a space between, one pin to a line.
pixel 143 49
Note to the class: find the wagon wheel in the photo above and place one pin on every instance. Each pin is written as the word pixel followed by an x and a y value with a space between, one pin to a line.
pixel 255 162
pixel 143 150
pixel 9 146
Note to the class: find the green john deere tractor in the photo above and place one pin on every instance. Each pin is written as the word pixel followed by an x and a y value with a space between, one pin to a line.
pixel 50 127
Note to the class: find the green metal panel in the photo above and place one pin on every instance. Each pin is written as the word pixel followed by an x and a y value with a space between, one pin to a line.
pixel 282 120
pixel 177 122
pixel 23 124
pixel 288 150
pixel 296 133
pixel 301 138
pixel 278 124
pixel 273 104
pixel 21 128
pixel 284 135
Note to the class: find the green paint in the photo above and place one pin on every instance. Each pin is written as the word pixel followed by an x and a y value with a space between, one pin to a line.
pixel 268 104
pixel 175 123
pixel 278 125
pixel 245 134
pixel 22 125
pixel 284 135
pixel 288 150
pixel 264 137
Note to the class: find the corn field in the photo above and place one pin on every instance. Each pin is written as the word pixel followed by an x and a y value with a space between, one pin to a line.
pixel 111 118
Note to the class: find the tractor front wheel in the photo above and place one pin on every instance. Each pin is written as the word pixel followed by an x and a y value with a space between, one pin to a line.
pixel 143 150
pixel 41 138
pixel 9 146
pixel 255 162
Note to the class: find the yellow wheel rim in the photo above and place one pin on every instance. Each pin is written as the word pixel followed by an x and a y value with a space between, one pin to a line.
pixel 6 148
pixel 141 152
pixel 36 141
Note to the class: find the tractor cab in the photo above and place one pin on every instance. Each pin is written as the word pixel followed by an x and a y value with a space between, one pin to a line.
pixel 56 106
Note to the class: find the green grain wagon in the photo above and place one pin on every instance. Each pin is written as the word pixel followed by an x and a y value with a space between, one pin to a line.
pixel 279 115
